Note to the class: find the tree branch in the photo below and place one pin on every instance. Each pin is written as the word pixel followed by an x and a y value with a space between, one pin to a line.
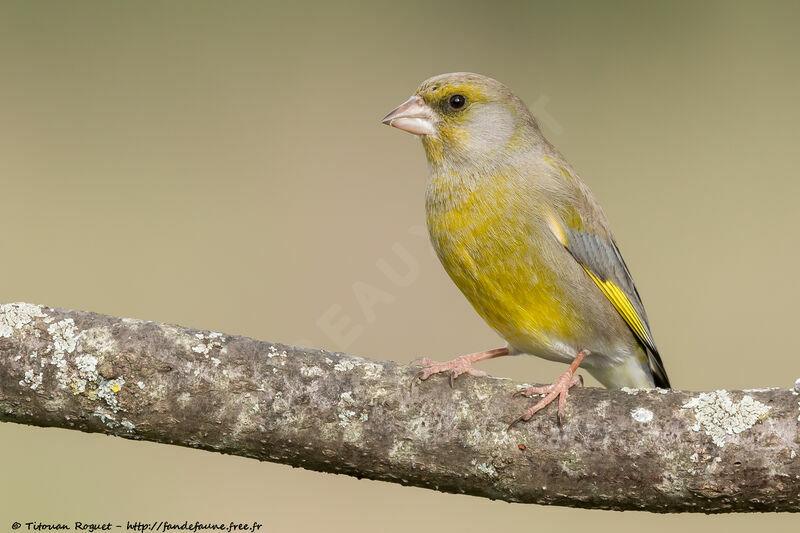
pixel 660 451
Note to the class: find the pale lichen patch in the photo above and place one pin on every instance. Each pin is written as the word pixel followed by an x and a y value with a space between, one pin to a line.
pixel 32 379
pixel 483 390
pixel 280 404
pixel 345 414
pixel 671 483
pixel 349 417
pixel 184 398
pixel 105 417
pixel 18 316
pixel 77 385
pixel 719 415
pixel 273 352
pixel 601 408
pixel 347 397
pixel 203 343
pixel 208 343
pixel 134 323
pixel 311 371
pixel 87 380
pixel 463 411
pixel 402 451
pixel 106 390
pixel 87 366
pixel 640 414
pixel 344 365
pixel 486 468
pixel 371 370
pixel 572 465
pixel 63 337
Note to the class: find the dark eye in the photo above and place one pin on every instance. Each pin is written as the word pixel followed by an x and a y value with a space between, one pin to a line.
pixel 457 101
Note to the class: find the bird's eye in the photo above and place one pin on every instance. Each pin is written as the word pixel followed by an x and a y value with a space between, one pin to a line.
pixel 457 101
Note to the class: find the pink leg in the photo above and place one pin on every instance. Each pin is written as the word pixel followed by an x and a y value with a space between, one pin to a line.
pixel 459 365
pixel 559 389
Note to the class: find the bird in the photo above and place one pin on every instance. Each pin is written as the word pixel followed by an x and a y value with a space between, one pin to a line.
pixel 523 238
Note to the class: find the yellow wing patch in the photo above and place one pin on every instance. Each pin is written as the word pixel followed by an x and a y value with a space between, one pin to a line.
pixel 623 306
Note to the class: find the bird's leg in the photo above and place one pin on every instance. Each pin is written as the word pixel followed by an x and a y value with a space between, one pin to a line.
pixel 559 388
pixel 459 365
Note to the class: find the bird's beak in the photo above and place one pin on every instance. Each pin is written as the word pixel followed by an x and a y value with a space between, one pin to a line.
pixel 413 116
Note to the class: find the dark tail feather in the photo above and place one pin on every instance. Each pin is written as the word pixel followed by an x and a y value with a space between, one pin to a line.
pixel 657 368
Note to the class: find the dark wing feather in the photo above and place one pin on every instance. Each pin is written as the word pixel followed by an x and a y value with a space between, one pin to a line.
pixel 601 259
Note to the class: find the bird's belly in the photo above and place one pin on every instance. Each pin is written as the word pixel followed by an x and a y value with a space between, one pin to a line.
pixel 508 282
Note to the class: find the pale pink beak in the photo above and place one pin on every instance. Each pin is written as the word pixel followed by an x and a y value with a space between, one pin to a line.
pixel 413 116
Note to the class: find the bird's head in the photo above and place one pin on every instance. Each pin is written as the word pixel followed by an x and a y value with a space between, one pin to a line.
pixel 465 119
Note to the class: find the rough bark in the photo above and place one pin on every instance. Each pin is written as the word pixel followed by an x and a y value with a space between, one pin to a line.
pixel 654 450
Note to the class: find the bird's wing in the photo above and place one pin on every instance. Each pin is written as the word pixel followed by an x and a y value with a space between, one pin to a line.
pixel 583 232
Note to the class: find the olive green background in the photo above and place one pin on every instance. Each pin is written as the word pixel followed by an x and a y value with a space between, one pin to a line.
pixel 221 165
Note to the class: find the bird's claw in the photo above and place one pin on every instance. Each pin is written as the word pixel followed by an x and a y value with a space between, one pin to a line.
pixel 518 419
pixel 558 389
pixel 456 367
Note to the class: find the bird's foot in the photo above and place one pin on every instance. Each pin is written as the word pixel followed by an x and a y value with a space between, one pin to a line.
pixel 558 389
pixel 459 365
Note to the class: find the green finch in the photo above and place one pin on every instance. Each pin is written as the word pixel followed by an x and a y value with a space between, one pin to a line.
pixel 523 238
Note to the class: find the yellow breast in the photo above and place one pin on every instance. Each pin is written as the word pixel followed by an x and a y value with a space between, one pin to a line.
pixel 486 237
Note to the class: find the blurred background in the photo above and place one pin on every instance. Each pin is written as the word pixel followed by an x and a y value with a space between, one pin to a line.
pixel 222 166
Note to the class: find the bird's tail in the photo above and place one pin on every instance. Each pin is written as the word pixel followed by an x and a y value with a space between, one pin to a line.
pixel 660 377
